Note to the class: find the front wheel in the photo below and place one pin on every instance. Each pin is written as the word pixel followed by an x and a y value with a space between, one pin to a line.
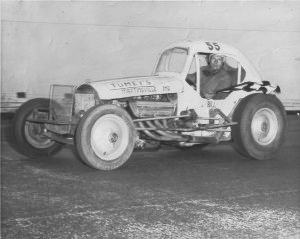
pixel 261 128
pixel 105 137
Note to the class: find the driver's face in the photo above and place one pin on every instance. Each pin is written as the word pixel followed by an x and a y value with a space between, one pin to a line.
pixel 216 62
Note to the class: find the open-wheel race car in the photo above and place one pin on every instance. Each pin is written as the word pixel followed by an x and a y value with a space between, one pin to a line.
pixel 107 119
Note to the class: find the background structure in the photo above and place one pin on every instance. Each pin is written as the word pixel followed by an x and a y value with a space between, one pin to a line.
pixel 68 42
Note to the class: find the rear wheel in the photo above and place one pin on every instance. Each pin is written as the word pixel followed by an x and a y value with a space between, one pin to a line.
pixel 27 136
pixel 105 137
pixel 261 128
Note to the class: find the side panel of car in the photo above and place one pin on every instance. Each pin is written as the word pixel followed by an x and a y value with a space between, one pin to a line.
pixel 191 99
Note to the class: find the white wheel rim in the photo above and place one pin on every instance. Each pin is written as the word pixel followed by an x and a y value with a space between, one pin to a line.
pixel 33 134
pixel 264 126
pixel 109 137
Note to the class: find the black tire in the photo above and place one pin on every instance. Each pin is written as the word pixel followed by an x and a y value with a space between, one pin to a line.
pixel 261 128
pixel 105 137
pixel 26 136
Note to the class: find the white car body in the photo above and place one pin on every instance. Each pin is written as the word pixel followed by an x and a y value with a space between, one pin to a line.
pixel 169 82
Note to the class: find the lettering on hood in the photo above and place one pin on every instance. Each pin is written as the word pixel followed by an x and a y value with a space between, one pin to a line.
pixel 133 86
pixel 129 83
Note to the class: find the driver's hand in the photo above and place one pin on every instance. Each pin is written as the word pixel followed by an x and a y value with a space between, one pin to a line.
pixel 209 95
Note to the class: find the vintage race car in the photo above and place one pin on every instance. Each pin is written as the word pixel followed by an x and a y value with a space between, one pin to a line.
pixel 106 120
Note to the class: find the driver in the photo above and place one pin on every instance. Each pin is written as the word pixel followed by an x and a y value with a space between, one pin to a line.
pixel 214 77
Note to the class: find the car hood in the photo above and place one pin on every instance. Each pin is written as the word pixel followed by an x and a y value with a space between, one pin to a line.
pixel 137 86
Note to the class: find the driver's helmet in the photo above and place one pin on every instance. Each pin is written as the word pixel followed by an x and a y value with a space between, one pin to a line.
pixel 216 62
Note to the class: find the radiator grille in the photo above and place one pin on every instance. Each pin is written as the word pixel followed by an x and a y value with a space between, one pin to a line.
pixel 62 98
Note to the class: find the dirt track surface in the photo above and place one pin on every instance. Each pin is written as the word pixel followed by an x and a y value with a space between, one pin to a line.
pixel 197 193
